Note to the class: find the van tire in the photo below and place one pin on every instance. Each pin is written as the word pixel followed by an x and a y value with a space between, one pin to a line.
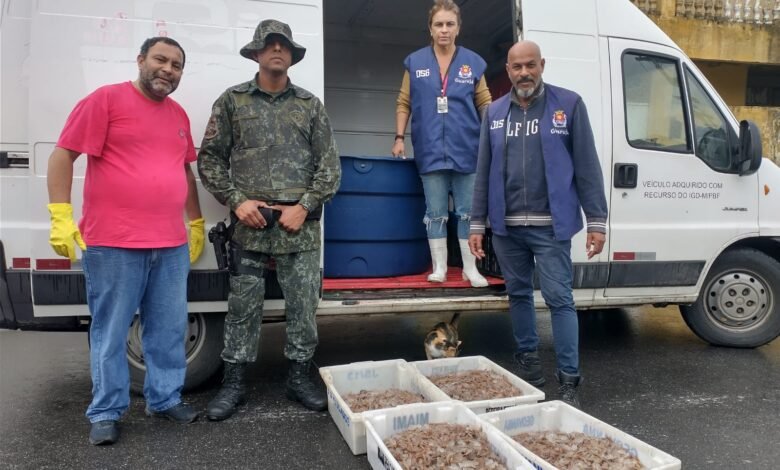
pixel 203 345
pixel 739 304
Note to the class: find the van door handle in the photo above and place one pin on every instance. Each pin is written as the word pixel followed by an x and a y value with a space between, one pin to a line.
pixel 625 175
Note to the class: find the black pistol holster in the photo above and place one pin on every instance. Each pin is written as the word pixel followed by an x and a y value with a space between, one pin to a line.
pixel 228 252
pixel 219 236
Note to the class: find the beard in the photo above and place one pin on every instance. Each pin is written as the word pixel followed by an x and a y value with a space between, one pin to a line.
pixel 526 92
pixel 157 88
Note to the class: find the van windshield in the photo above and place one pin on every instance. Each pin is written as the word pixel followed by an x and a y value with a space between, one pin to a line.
pixel 715 141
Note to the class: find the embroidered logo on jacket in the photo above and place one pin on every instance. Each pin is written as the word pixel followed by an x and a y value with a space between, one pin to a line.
pixel 559 118
pixel 465 71
pixel 465 75
pixel 559 123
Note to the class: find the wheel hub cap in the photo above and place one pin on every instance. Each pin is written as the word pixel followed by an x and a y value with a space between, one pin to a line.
pixel 738 300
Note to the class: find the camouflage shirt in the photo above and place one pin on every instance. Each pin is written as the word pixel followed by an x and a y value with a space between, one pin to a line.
pixel 270 147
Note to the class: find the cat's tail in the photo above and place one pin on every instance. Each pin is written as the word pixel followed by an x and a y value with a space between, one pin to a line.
pixel 455 318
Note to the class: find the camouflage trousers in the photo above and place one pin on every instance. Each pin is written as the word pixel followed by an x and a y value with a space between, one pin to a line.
pixel 299 278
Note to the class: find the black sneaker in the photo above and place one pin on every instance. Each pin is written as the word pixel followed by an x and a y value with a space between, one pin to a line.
pixel 103 433
pixel 567 392
pixel 530 368
pixel 180 414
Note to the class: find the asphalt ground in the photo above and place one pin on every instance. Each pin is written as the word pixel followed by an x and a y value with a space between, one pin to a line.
pixel 644 371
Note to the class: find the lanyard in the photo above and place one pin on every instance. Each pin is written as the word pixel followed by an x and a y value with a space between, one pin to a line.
pixel 447 73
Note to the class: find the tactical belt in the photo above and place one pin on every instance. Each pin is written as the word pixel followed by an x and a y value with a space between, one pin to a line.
pixel 271 215
pixel 316 214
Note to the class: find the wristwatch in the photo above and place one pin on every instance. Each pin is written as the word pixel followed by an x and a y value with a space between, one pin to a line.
pixel 399 136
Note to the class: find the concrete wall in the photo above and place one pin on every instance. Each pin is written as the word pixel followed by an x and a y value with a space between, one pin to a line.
pixel 706 39
pixel 729 79
pixel 709 40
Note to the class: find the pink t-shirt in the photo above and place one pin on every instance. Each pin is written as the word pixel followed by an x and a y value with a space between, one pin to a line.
pixel 135 188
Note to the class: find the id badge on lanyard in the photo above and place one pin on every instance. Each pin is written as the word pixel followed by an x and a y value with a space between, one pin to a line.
pixel 441 104
pixel 441 101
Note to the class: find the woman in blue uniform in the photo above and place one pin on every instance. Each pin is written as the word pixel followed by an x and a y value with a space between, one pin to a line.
pixel 444 91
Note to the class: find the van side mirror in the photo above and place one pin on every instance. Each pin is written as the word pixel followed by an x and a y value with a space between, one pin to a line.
pixel 749 158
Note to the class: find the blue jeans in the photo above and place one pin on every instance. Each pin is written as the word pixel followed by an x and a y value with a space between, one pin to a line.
pixel 437 186
pixel 524 249
pixel 120 282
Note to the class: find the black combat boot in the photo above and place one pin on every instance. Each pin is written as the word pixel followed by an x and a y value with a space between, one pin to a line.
pixel 530 368
pixel 568 389
pixel 301 388
pixel 231 395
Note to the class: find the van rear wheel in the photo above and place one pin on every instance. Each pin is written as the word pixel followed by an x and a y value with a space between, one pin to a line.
pixel 739 304
pixel 203 346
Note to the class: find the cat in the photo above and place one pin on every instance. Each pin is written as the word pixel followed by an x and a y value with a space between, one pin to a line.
pixel 442 340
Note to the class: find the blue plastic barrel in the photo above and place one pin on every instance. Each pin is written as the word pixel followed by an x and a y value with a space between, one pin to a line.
pixel 374 225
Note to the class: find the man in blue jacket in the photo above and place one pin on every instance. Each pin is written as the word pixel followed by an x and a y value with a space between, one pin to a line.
pixel 537 169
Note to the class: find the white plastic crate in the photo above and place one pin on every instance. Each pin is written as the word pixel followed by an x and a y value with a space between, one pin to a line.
pixel 370 375
pixel 560 417
pixel 382 424
pixel 452 365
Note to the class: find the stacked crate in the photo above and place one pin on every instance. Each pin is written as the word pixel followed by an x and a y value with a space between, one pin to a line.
pixel 500 419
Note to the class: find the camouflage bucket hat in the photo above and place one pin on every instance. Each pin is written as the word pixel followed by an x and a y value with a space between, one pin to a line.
pixel 266 28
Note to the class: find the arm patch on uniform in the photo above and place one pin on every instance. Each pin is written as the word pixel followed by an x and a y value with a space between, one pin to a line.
pixel 211 128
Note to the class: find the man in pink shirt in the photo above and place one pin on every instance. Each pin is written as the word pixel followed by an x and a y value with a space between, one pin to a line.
pixel 132 232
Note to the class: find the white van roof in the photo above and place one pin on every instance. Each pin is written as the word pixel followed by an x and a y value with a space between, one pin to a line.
pixel 605 18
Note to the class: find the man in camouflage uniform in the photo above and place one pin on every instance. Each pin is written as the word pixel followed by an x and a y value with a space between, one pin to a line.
pixel 269 145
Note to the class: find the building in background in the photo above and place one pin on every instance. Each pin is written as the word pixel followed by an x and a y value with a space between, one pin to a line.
pixel 736 44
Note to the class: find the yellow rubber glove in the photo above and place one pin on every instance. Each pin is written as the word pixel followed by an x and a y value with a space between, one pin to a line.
pixel 197 229
pixel 64 230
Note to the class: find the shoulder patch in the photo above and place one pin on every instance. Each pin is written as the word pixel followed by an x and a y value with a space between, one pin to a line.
pixel 211 128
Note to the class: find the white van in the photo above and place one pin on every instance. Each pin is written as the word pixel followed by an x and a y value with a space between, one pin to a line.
pixel 694 213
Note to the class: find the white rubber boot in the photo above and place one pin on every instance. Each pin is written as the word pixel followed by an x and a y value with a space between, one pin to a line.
pixel 439 258
pixel 470 272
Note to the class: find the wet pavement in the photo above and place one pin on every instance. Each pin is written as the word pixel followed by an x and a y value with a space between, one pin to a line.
pixel 644 371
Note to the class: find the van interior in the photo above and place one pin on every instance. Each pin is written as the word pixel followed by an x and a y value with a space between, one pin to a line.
pixel 366 42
